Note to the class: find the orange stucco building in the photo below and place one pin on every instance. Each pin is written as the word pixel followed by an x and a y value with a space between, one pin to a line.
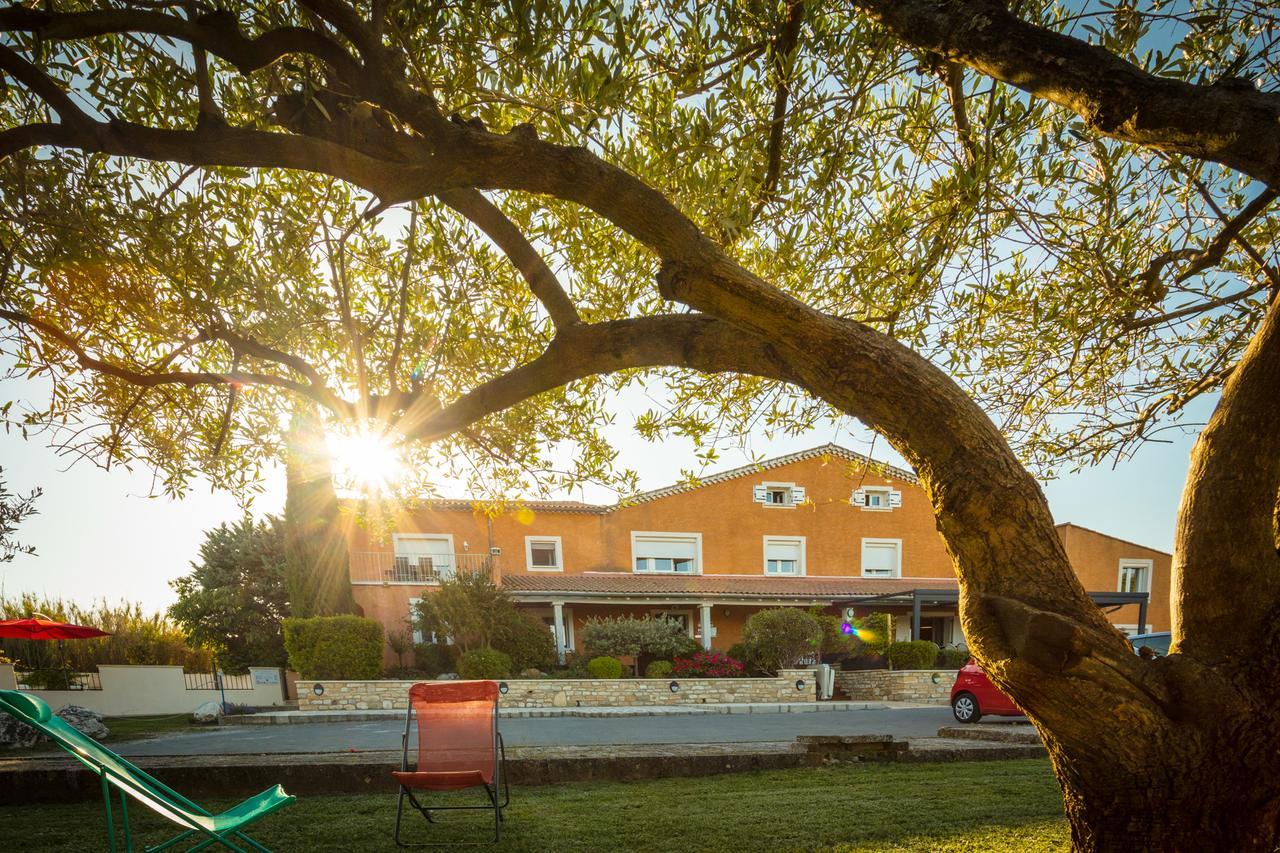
pixel 825 527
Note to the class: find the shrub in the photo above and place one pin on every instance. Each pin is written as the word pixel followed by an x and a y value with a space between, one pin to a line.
pixel 953 658
pixel 484 663
pixel 658 669
pixel 405 673
pixel 469 608
pixel 913 654
pixel 707 665
pixel 527 641
pixel 874 632
pixel 750 664
pixel 778 638
pixel 605 667
pixel 626 636
pixel 345 647
pixel 435 658
pixel 835 645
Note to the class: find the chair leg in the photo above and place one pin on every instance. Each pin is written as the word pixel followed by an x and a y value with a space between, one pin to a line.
pixel 497 812
pixel 399 814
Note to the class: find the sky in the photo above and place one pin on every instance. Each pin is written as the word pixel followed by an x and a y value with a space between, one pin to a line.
pixel 98 534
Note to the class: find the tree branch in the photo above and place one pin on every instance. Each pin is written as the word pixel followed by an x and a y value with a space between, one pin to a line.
pixel 1226 567
pixel 783 52
pixel 45 87
pixel 671 340
pixel 526 259
pixel 1231 125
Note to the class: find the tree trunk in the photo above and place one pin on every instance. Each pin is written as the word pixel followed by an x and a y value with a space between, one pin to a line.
pixel 317 571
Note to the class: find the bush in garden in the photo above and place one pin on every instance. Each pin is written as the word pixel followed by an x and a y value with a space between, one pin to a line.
pixel 875 632
pixel 526 639
pixel 953 658
pixel 778 638
pixel 435 658
pixel 626 636
pixel 658 669
pixel 751 666
pixel 913 654
pixel 484 663
pixel 605 667
pixel 836 645
pixel 340 647
pixel 707 665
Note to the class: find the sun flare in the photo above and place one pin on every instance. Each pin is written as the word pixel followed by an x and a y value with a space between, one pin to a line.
pixel 365 460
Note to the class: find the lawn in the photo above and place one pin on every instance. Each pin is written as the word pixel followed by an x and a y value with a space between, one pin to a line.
pixel 979 806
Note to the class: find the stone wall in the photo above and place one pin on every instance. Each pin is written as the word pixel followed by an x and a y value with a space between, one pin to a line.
pixel 904 685
pixel 575 692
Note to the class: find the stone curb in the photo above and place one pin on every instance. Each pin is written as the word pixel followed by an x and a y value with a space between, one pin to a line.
pixel 62 780
pixel 304 717
pixel 1000 733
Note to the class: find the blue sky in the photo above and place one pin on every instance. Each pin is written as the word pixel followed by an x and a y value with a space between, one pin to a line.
pixel 99 535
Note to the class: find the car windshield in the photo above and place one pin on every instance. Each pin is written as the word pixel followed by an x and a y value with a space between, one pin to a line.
pixel 1158 643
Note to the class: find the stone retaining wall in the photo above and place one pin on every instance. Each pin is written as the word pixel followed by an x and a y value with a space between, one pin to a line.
pixel 904 685
pixel 575 692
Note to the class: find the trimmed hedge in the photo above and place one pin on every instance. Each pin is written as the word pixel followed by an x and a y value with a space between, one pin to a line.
pixel 484 663
pixel 605 667
pixel 913 654
pixel 337 647
pixel 435 658
pixel 953 658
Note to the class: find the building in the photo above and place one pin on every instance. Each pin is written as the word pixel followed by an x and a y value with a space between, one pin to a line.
pixel 824 526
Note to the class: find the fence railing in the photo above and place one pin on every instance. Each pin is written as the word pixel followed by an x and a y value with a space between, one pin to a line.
pixel 384 567
pixel 58 679
pixel 217 681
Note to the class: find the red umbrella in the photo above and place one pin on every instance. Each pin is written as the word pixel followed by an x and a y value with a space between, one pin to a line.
pixel 35 628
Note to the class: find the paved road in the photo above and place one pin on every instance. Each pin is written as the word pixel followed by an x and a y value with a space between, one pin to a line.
pixel 557 731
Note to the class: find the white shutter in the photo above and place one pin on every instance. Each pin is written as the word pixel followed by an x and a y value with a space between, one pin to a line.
pixel 797 494
pixel 671 548
pixel 759 494
pixel 859 498
pixel 880 558
pixel 782 549
pixel 895 498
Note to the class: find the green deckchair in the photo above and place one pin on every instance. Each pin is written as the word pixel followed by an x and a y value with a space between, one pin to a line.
pixel 117 773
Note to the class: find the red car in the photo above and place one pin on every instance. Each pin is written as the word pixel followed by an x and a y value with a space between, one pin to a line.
pixel 973 696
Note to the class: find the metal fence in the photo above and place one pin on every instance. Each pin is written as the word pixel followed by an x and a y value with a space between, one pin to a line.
pixel 217 681
pixel 384 567
pixel 58 679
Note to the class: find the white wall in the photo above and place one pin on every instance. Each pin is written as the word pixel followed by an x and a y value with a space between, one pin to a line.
pixel 142 690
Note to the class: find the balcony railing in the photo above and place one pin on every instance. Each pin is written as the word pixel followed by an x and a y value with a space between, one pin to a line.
pixel 58 679
pixel 386 568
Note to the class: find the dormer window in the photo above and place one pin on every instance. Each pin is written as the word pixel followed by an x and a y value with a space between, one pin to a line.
pixel 881 498
pixel 778 494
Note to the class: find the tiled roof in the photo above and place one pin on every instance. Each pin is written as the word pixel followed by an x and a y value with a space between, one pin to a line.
pixel 833 450
pixel 777 462
pixel 627 584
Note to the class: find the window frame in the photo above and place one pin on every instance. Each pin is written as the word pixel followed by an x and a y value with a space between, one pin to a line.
pixel 1148 570
pixel 773 486
pixel 895 572
pixel 883 492
pixel 800 563
pixel 528 553
pixel 696 538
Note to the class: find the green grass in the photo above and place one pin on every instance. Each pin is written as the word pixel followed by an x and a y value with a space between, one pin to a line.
pixel 979 806
pixel 121 729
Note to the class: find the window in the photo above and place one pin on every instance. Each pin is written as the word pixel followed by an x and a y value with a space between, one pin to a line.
pixel 421 558
pixel 1135 576
pixel 672 553
pixel 784 555
pixel 881 558
pixel 543 554
pixel 881 498
pixel 778 494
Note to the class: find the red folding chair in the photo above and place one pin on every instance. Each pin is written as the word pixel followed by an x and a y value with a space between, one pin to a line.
pixel 458 747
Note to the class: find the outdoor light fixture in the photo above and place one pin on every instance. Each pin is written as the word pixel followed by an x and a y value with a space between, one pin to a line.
pixel 937 677
pixel 674 687
pixel 799 684
pixel 317 689
pixel 503 688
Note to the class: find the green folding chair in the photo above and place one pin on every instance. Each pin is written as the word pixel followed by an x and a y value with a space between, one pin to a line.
pixel 201 828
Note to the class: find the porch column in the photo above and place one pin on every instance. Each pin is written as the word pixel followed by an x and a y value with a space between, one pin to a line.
pixel 915 614
pixel 1142 615
pixel 704 616
pixel 558 608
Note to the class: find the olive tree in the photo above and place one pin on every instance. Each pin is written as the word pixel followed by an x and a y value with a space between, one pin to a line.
pixel 1007 239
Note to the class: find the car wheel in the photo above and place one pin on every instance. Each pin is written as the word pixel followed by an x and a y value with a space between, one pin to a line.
pixel 965 707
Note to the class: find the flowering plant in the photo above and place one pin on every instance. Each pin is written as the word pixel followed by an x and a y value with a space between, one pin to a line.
pixel 706 665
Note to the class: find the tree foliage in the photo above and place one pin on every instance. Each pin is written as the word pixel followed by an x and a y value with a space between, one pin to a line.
pixel 14 509
pixel 779 637
pixel 627 636
pixel 234 599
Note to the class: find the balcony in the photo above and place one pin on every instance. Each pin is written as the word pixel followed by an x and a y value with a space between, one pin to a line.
pixel 384 567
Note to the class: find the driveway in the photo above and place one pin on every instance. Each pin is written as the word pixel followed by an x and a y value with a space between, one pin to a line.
pixel 553 731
